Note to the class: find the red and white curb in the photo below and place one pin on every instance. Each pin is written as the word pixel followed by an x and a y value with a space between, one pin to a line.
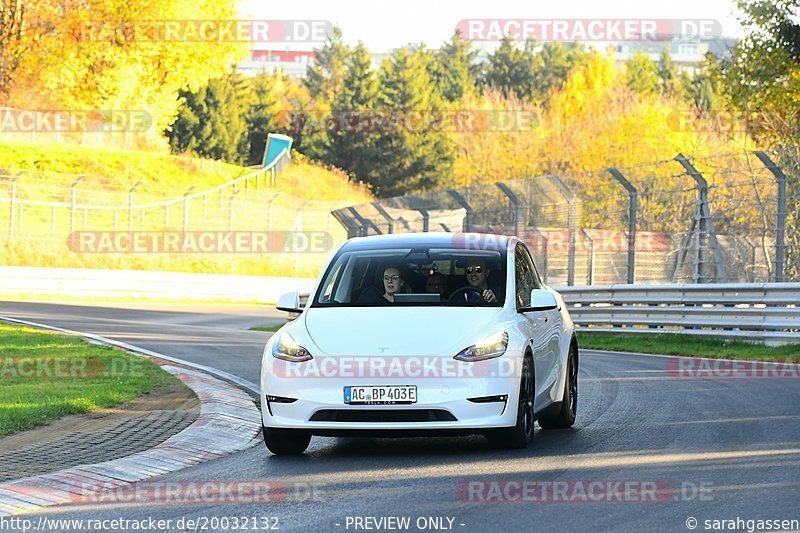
pixel 229 421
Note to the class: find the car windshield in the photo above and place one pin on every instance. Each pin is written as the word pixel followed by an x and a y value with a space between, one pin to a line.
pixel 414 276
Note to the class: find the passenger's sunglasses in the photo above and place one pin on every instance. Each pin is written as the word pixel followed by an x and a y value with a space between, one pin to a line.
pixel 391 278
pixel 478 269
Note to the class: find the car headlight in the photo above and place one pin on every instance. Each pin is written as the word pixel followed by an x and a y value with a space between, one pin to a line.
pixel 492 346
pixel 286 348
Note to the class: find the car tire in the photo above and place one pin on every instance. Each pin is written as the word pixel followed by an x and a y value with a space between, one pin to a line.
pixel 520 435
pixel 286 441
pixel 569 402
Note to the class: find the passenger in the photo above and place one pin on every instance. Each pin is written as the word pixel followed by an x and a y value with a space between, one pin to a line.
pixel 478 277
pixel 393 283
pixel 436 284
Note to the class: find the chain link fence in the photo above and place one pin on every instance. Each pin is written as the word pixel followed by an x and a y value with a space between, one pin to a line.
pixel 704 220
pixel 40 211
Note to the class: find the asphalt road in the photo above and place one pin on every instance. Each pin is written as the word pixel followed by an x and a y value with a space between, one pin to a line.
pixel 713 448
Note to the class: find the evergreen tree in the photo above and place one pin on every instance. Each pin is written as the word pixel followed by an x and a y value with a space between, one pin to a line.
pixel 211 122
pixel 414 156
pixel 324 81
pixel 352 147
pixel 325 77
pixel 262 113
pixel 512 70
pixel 454 70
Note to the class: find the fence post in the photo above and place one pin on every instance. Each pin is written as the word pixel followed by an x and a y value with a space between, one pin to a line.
pixel 130 205
pixel 426 220
pixel 780 223
pixel 186 209
pixel 572 224
pixel 385 215
pixel 11 208
pixel 365 223
pixel 269 212
pixel 706 223
pixel 515 202
pixel 232 210
pixel 633 205
pixel 73 198
pixel 468 218
pixel 590 266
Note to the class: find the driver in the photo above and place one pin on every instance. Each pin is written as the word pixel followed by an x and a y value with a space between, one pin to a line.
pixel 478 277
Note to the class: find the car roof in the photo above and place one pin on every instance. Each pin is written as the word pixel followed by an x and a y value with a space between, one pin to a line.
pixel 467 241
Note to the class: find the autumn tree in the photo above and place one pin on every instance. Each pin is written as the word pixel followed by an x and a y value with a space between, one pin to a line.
pixel 94 55
pixel 642 73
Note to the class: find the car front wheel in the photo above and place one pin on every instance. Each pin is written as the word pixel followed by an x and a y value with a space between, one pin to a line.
pixel 286 441
pixel 521 435
pixel 569 402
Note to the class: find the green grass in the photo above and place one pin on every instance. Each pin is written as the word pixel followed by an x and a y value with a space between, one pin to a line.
pixel 41 231
pixel 111 172
pixel 677 344
pixel 69 376
pixel 272 328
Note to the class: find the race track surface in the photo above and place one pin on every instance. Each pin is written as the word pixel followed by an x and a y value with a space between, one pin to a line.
pixel 715 448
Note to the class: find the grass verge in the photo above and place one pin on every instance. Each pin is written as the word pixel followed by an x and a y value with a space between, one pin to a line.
pixel 45 376
pixel 273 328
pixel 677 344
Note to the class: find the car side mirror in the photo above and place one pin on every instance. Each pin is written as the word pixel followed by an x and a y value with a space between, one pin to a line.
pixel 289 302
pixel 541 300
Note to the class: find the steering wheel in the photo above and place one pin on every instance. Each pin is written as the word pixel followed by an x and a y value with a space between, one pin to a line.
pixel 466 290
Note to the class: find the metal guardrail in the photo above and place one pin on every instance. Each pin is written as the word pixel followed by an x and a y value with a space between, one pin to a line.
pixel 765 312
pixel 762 312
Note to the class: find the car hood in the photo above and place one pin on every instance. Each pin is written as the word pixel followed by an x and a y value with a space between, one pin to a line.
pixel 397 331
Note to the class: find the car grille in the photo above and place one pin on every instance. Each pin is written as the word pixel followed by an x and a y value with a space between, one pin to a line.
pixel 383 415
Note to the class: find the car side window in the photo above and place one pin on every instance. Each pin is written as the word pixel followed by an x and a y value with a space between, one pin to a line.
pixel 537 281
pixel 525 282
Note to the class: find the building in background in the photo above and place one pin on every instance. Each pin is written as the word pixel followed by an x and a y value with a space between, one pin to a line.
pixel 687 53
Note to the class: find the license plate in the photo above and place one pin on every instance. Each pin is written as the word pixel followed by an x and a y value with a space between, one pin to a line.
pixel 380 395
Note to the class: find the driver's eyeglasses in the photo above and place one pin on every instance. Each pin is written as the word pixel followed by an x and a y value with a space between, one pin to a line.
pixel 478 269
pixel 391 278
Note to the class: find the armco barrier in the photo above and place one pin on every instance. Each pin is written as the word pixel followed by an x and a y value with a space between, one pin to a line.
pixel 766 312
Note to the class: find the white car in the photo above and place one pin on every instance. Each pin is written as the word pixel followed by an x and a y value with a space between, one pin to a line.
pixel 422 334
